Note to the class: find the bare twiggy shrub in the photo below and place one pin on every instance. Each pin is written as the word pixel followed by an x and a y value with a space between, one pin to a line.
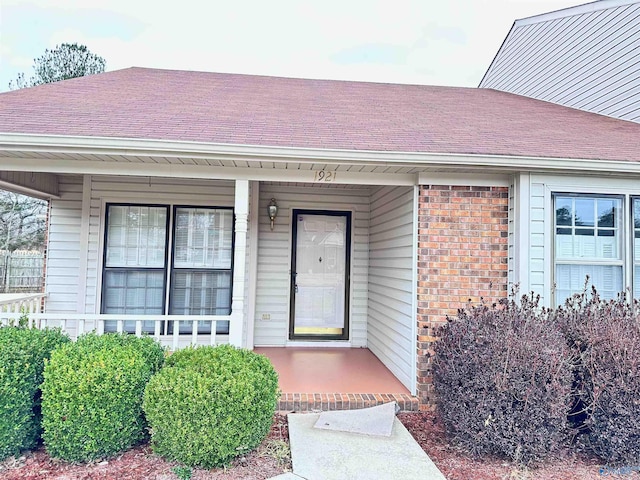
pixel 503 376
pixel 605 334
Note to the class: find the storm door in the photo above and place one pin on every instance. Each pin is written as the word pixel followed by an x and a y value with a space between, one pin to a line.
pixel 320 275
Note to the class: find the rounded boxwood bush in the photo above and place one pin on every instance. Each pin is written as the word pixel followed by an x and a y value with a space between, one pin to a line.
pixel 23 352
pixel 210 404
pixel 92 395
pixel 503 377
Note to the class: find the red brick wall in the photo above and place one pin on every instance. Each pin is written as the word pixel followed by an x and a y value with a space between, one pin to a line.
pixel 462 255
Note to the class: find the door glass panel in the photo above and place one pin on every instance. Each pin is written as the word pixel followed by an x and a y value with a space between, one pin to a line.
pixel 320 274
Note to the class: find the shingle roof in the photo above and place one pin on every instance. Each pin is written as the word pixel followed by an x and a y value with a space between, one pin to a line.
pixel 141 103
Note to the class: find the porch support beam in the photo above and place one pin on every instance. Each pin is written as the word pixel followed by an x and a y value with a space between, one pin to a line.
pixel 236 325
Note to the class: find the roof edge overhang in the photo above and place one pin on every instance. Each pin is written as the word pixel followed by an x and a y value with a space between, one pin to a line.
pixel 25 144
pixel 575 10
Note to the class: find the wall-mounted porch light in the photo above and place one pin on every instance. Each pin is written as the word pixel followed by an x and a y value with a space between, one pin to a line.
pixel 272 210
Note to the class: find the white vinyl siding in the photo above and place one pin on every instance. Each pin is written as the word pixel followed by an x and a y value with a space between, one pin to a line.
pixel 274 258
pixel 537 250
pixel 391 257
pixel 63 247
pixel 581 57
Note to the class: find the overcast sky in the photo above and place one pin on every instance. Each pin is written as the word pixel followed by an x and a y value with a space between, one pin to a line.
pixel 436 42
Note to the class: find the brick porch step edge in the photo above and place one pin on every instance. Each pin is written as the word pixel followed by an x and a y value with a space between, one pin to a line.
pixel 307 402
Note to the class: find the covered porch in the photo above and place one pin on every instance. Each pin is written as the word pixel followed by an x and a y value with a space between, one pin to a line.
pixel 376 349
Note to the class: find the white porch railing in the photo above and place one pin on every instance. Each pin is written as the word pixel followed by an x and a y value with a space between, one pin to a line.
pixel 21 303
pixel 76 324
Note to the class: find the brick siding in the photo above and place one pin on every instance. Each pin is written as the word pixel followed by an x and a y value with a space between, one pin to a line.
pixel 462 256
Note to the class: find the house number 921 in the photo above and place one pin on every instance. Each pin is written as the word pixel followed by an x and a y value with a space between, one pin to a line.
pixel 323 176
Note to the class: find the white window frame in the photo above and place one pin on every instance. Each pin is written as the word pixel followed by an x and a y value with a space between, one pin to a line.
pixel 635 253
pixel 623 240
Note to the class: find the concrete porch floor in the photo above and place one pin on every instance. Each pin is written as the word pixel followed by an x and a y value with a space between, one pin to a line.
pixel 334 379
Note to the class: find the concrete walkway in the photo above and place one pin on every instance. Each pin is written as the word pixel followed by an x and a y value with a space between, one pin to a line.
pixel 319 453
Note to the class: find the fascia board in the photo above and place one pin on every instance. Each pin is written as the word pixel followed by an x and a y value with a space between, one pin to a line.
pixel 171 149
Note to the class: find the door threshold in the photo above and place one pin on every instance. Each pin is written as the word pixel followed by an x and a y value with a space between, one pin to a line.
pixel 319 343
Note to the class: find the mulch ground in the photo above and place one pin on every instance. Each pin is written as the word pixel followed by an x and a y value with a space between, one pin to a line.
pixel 273 458
pixel 455 465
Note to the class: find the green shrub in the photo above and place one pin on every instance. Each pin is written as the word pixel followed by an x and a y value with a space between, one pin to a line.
pixel 503 379
pixel 22 355
pixel 92 395
pixel 606 337
pixel 210 404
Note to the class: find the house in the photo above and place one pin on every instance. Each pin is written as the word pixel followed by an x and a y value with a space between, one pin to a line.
pixel 583 57
pixel 263 211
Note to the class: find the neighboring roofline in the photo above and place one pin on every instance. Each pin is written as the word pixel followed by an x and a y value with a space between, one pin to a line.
pixel 576 10
pixel 544 17
pixel 181 149
pixel 495 57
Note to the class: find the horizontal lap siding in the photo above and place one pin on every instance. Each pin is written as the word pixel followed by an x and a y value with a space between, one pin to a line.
pixel 137 190
pixel 391 249
pixel 274 257
pixel 537 240
pixel 587 61
pixel 63 248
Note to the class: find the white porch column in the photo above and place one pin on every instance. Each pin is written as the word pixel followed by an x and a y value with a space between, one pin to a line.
pixel 84 244
pixel 252 284
pixel 239 263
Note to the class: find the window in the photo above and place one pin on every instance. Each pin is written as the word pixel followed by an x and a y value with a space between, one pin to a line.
pixel 136 258
pixel 201 280
pixel 588 242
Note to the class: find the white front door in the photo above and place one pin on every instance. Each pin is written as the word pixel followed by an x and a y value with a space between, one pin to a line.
pixel 320 275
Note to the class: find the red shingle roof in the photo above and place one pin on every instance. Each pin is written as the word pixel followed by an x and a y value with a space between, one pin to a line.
pixel 144 103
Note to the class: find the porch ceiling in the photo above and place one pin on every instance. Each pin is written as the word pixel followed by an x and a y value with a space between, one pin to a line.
pixel 40 185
